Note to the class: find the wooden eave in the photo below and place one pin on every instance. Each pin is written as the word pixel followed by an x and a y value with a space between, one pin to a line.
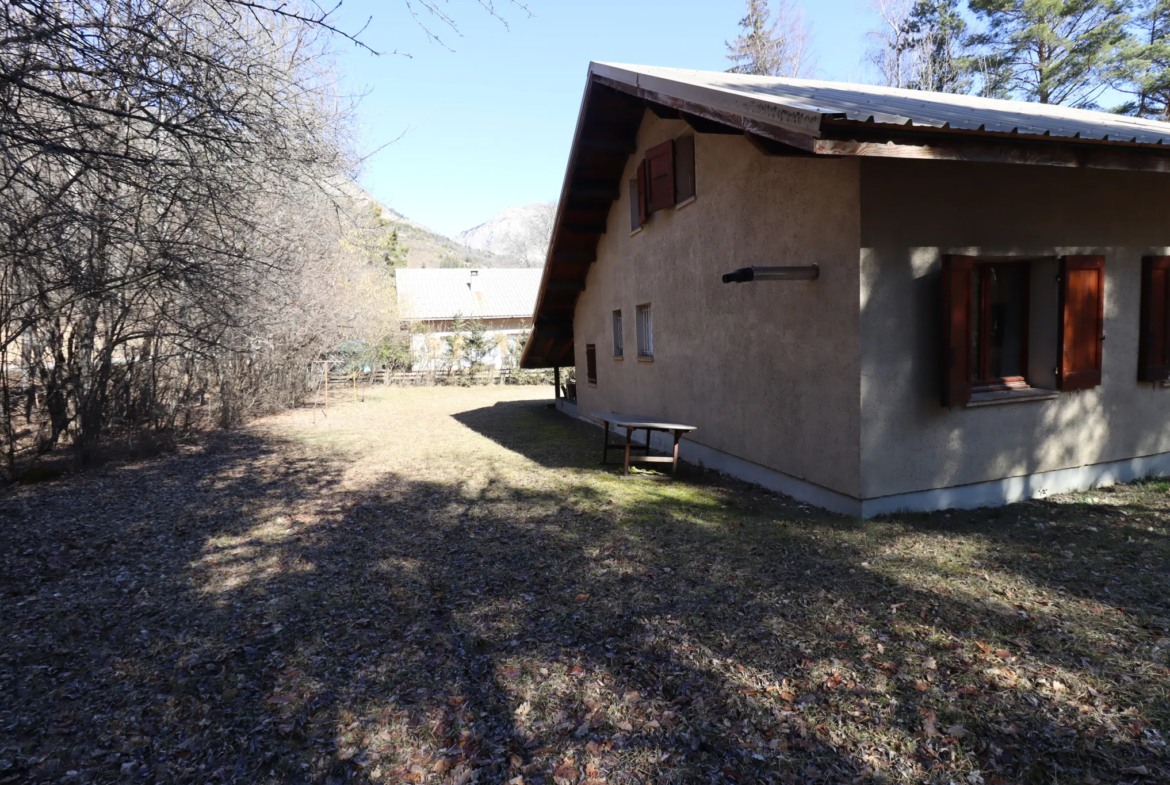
pixel 606 135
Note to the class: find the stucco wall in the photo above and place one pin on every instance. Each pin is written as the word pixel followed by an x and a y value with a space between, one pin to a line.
pixel 768 371
pixel 914 212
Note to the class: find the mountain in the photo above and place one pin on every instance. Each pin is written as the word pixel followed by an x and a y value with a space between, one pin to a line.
pixel 519 234
pixel 516 237
pixel 424 247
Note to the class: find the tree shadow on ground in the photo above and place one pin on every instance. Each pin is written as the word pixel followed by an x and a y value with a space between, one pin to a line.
pixel 239 614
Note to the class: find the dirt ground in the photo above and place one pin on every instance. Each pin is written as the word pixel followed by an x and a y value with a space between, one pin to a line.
pixel 443 586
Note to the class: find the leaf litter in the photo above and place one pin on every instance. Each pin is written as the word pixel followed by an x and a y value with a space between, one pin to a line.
pixel 441 585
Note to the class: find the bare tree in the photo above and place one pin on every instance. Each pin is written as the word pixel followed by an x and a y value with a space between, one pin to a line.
pixel 891 49
pixel 923 45
pixel 169 252
pixel 767 48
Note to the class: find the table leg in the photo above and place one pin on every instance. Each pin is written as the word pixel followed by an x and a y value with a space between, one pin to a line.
pixel 674 466
pixel 628 432
pixel 604 442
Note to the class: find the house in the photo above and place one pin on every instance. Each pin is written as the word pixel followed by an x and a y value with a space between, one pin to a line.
pixel 990 316
pixel 432 301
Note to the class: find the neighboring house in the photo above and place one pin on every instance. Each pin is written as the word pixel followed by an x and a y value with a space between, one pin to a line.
pixel 991 320
pixel 432 300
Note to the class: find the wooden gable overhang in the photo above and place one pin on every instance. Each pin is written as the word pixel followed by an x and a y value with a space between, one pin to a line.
pixel 606 135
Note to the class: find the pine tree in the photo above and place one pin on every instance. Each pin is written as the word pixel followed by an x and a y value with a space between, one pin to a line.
pixel 1054 51
pixel 1144 72
pixel 938 36
pixel 763 49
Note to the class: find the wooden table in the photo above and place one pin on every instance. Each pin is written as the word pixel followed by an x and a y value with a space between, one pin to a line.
pixel 636 422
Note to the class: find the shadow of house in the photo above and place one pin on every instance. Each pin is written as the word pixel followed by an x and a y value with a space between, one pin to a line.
pixel 251 619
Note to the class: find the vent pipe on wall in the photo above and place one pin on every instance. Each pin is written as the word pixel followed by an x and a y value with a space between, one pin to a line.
pixel 746 274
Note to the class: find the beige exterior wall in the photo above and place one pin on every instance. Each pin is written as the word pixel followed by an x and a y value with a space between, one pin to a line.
pixel 769 372
pixel 913 212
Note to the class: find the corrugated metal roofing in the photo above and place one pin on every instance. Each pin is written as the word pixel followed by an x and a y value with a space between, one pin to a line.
pixel 482 294
pixel 802 103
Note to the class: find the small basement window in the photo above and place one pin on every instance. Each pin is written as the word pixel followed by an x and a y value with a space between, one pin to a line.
pixel 645 332
pixel 617 335
pixel 591 364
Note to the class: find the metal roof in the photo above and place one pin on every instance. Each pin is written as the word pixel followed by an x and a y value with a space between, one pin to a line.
pixel 440 294
pixel 803 103
pixel 784 117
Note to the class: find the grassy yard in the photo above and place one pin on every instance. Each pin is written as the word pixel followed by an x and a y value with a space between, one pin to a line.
pixel 443 586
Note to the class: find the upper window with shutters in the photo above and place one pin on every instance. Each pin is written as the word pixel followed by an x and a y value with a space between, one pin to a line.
pixel 665 178
pixel 1013 327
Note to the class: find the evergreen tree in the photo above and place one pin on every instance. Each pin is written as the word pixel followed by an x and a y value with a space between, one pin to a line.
pixel 937 34
pixel 1144 72
pixel 1053 51
pixel 764 49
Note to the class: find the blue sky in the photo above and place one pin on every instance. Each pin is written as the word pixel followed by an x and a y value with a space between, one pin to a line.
pixel 489 124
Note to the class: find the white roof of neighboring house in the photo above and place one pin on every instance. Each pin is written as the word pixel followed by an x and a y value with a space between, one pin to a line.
pixel 803 103
pixel 435 294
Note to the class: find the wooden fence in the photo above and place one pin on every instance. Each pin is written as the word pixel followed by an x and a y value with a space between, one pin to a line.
pixel 423 378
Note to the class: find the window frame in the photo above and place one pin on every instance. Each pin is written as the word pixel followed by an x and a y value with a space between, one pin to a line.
pixel 591 364
pixel 618 335
pixel 644 318
pixel 1154 320
pixel 982 267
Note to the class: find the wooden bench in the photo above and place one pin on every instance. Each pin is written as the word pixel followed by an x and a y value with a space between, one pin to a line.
pixel 635 422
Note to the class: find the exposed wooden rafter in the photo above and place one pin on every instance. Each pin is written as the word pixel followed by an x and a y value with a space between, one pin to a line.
pixel 703 125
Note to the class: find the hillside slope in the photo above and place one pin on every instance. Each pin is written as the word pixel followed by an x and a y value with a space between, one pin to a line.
pixel 425 248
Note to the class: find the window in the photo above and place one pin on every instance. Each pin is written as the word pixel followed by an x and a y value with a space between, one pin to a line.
pixel 617 335
pixel 1154 342
pixel 591 364
pixel 999 325
pixel 637 205
pixel 684 169
pixel 988 324
pixel 665 178
pixel 645 332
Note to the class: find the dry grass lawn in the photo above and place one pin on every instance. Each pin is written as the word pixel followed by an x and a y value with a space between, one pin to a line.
pixel 443 586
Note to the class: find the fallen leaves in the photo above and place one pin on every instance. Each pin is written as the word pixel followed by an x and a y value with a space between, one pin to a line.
pixel 261 611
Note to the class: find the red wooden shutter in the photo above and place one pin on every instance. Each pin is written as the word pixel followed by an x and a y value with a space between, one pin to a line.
pixel 957 272
pixel 1154 342
pixel 642 193
pixel 660 177
pixel 1082 321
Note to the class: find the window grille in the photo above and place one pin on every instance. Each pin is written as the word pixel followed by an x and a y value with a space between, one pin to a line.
pixel 617 334
pixel 645 331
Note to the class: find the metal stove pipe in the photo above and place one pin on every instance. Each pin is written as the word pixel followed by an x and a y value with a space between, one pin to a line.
pixel 746 274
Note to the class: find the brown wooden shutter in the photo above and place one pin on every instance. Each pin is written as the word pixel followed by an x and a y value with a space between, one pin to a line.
pixel 660 177
pixel 1082 321
pixel 591 363
pixel 1154 342
pixel 642 193
pixel 957 272
pixel 684 168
